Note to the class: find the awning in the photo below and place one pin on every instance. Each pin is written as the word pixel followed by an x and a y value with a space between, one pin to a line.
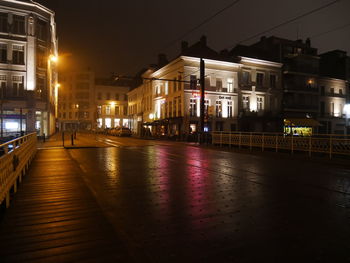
pixel 306 122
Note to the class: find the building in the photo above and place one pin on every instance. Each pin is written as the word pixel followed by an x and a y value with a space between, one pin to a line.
pixel 111 104
pixel 300 81
pixel 28 75
pixel 87 103
pixel 168 101
pixel 334 92
pixel 76 101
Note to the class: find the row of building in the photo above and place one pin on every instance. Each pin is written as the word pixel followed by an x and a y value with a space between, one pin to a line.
pixel 274 85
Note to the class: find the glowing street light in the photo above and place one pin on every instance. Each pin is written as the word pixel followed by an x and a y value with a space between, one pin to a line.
pixel 53 58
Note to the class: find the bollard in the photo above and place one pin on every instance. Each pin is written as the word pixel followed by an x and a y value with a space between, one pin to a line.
pixel 72 139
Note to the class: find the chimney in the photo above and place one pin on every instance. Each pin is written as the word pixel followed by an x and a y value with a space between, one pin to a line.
pixel 308 42
pixel 162 60
pixel 203 40
pixel 184 46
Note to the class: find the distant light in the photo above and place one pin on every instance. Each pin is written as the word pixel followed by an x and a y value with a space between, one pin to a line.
pixel 53 58
pixel 58 85
pixel 151 116
pixel 112 103
pixel 10 125
pixel 347 110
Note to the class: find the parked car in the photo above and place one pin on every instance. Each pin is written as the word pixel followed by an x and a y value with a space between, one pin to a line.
pixel 123 132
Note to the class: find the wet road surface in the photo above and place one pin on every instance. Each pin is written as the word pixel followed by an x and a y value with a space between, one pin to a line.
pixel 172 202
pixel 132 200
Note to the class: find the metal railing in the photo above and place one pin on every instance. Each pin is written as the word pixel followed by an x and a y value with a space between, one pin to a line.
pixel 15 157
pixel 330 144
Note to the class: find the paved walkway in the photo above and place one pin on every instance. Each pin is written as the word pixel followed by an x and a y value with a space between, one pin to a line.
pixel 55 218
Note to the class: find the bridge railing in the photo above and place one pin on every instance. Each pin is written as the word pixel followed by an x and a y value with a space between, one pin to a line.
pixel 15 157
pixel 330 144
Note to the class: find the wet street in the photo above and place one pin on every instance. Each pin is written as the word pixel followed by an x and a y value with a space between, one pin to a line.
pixel 132 200
pixel 177 202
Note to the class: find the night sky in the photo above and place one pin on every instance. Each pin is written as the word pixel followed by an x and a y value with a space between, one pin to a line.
pixel 125 36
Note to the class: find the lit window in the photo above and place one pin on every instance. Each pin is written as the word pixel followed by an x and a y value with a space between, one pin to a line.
pixel 125 123
pixel 108 110
pixel 229 109
pixel 116 122
pixel 245 101
pixel 218 108
pixel 229 85
pixel 193 107
pixel 108 122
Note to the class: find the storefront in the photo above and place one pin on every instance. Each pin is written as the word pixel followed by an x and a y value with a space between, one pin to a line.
pixel 300 127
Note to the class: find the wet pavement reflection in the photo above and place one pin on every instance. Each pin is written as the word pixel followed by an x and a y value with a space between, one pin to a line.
pixel 175 202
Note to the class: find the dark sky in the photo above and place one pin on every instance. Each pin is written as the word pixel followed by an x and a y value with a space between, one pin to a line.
pixel 124 36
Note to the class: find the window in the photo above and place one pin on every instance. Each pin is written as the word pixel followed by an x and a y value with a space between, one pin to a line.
pixel 246 78
pixel 99 96
pixel 218 108
pixel 230 85
pixel 206 107
pixel 17 86
pixel 259 79
pixel 108 110
pixel 273 81
pixel 332 108
pixel 193 107
pixel 125 110
pixel 108 96
pixel 40 87
pixel 341 91
pixel 18 55
pixel 174 108
pixel 170 109
pixel 99 110
pixel 117 96
pixel 179 107
pixel 18 25
pixel 166 87
pixel 41 58
pixel 42 30
pixel 3 84
pixel 193 82
pixel 3 53
pixel 116 122
pixel 229 109
pixel 260 103
pixel 245 100
pixel 4 22
pixel 83 86
pixel 218 84
pixel 116 110
pixel 108 122
pixel 179 86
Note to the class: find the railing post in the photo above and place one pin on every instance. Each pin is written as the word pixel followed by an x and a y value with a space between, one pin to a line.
pixel 262 144
pixel 310 146
pixel 250 141
pixel 330 147
pixel 276 142
pixel 240 140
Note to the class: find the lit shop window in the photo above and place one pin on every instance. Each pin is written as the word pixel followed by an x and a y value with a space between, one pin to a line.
pixel 229 109
pixel 218 108
pixel 125 123
pixel 108 122
pixel 116 122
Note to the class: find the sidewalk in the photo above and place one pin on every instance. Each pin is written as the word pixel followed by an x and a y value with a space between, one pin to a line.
pixel 55 218
pixel 82 140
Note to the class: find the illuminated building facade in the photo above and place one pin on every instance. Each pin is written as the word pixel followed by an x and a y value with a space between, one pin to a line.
pixel 169 105
pixel 76 101
pixel 86 102
pixel 111 105
pixel 28 75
